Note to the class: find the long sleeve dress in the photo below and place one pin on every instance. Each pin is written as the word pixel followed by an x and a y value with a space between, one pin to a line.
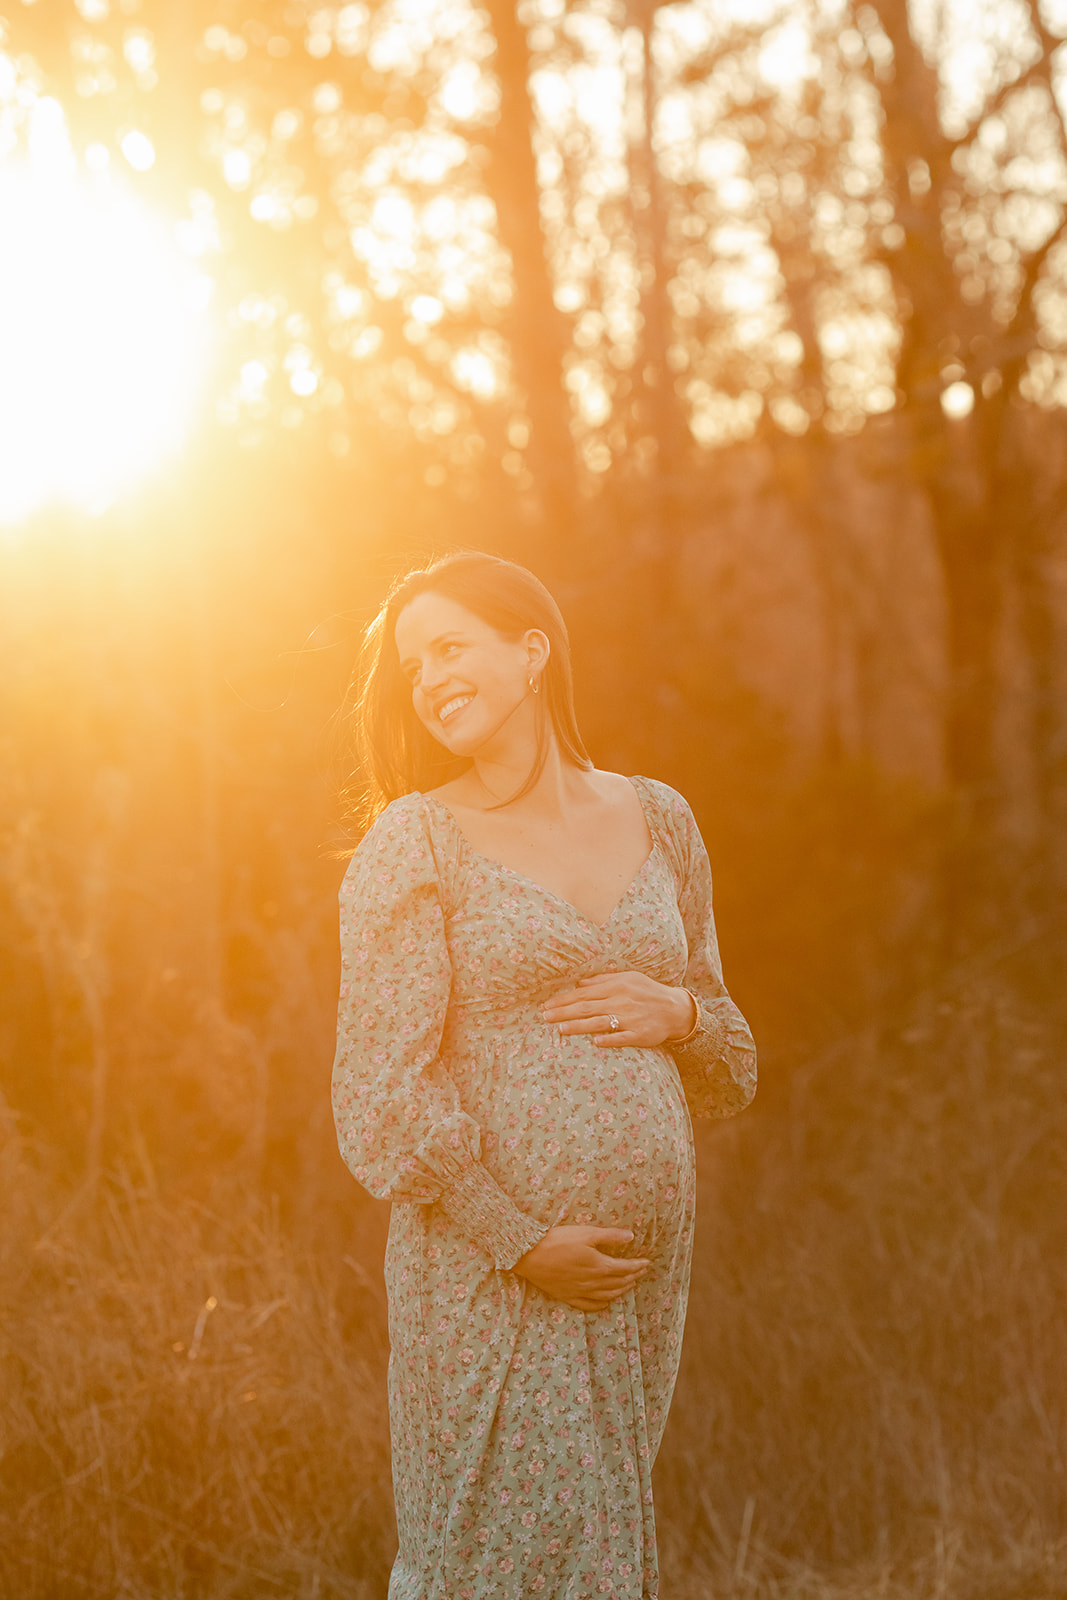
pixel 523 1431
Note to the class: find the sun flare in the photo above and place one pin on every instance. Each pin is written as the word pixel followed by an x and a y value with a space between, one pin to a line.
pixel 103 338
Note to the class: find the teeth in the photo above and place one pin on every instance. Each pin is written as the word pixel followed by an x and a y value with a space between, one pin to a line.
pixel 453 705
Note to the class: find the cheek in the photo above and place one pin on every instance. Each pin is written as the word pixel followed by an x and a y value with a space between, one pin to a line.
pixel 427 718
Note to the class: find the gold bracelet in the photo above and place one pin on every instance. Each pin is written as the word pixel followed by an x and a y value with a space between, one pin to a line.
pixel 694 1030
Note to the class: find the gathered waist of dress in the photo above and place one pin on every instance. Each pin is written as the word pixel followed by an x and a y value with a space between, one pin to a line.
pixel 513 1028
pixel 474 1013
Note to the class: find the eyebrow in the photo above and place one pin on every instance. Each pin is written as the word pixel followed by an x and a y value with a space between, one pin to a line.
pixel 452 633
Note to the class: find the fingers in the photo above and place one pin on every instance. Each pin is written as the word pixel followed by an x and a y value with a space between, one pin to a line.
pixel 599 1026
pixel 606 1243
pixel 606 1236
pixel 615 1282
pixel 582 1009
pixel 590 993
pixel 559 1003
pixel 582 1265
pixel 612 1272
pixel 598 1299
pixel 608 1261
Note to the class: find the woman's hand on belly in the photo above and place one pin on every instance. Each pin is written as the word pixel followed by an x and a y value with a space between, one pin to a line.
pixel 648 1013
pixel 571 1263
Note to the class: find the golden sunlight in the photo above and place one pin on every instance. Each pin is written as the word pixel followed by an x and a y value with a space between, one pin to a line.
pixel 103 329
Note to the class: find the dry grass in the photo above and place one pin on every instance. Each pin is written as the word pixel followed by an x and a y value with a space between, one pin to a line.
pixel 876 1343
pixel 193 1406
pixel 871 1402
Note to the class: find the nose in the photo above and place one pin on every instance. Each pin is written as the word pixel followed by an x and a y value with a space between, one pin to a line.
pixel 431 677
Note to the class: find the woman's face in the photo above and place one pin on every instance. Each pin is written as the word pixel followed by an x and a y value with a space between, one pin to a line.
pixel 470 686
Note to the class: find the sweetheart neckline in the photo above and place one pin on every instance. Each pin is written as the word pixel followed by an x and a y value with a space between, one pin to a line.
pixel 551 894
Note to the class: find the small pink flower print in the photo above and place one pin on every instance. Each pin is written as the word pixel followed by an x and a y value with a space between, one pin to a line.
pixel 443 1062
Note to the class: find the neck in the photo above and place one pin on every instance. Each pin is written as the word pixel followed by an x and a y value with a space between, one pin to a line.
pixel 499 777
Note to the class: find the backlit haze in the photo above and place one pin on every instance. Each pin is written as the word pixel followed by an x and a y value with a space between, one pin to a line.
pixel 112 316
pixel 104 325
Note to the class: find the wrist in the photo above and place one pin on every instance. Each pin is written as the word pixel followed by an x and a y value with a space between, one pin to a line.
pixel 527 1258
pixel 689 1018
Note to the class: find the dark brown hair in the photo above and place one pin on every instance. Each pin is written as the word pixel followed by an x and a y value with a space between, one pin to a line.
pixel 394 752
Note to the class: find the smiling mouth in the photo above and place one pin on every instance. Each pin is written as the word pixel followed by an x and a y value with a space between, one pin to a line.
pixel 451 707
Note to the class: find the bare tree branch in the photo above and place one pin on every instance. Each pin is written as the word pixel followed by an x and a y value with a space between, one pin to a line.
pixel 996 103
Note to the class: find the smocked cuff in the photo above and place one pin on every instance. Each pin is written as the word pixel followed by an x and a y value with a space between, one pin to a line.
pixel 708 1040
pixel 478 1205
pixel 717 1065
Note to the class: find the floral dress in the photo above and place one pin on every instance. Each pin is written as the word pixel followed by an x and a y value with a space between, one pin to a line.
pixel 524 1431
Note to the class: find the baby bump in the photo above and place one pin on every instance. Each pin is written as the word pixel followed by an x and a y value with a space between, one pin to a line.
pixel 597 1135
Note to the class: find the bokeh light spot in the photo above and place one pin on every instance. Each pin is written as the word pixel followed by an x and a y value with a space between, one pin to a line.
pixel 139 150
pixel 957 400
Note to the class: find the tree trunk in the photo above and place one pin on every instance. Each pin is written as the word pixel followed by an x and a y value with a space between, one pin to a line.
pixel 658 410
pixel 1032 559
pixel 536 330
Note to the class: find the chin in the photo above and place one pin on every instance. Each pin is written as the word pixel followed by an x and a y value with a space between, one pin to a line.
pixel 462 749
pixel 456 744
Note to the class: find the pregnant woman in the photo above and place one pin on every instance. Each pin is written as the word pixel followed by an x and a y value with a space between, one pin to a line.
pixel 531 1008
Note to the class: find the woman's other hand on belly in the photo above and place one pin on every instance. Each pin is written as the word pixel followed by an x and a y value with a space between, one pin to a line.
pixel 573 1263
pixel 647 1013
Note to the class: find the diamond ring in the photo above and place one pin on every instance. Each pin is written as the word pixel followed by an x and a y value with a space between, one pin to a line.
pixel 613 1023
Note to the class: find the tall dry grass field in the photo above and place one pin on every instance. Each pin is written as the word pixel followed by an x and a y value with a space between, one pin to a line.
pixel 871 1402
